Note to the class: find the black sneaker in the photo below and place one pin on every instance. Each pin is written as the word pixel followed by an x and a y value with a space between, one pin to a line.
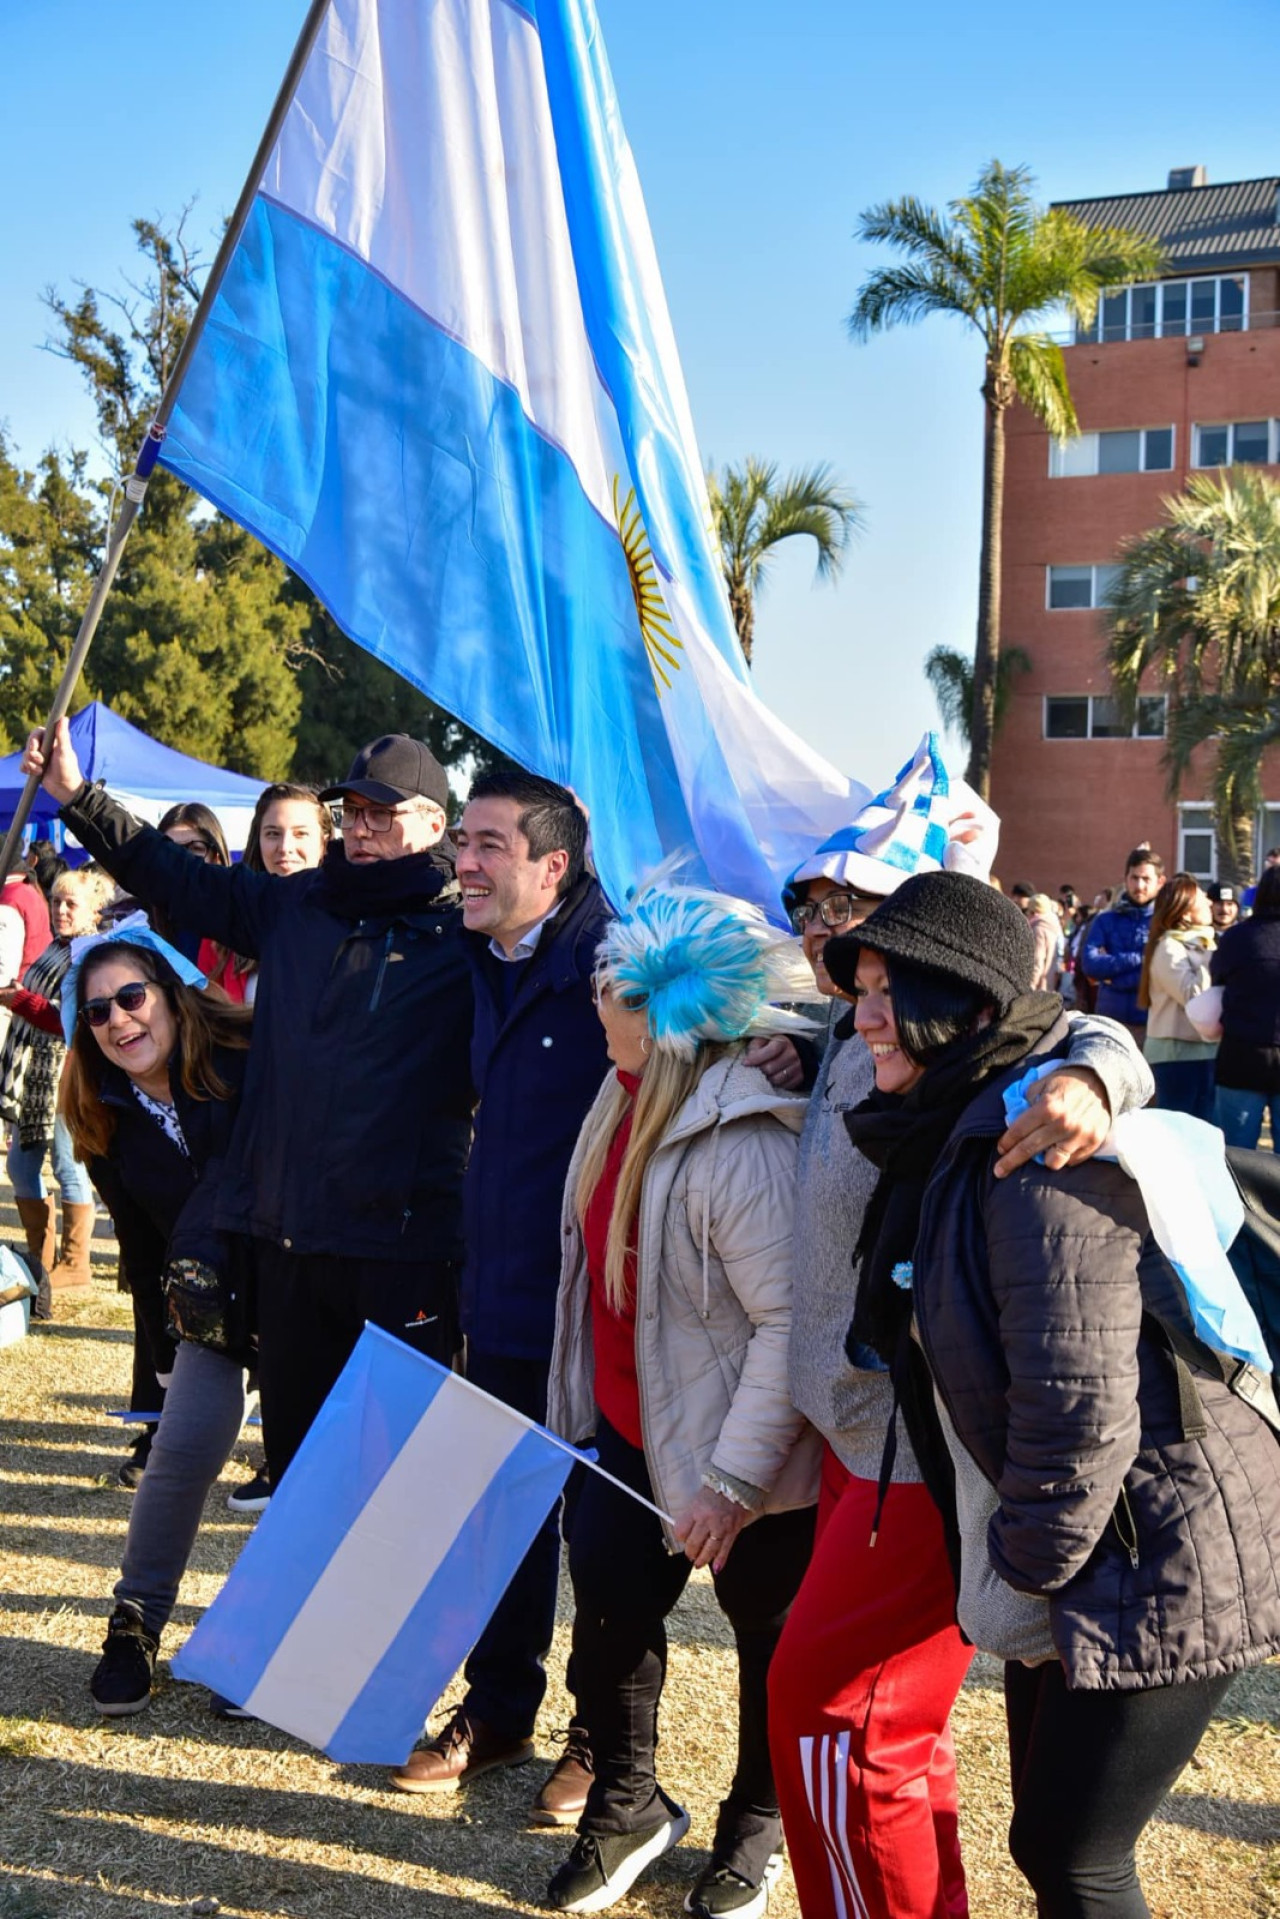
pixel 130 1474
pixel 600 1870
pixel 722 1890
pixel 253 1497
pixel 121 1682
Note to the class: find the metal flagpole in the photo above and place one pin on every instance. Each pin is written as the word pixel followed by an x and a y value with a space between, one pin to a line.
pixel 135 487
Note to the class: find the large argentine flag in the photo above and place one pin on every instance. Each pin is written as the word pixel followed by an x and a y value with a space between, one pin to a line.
pixel 440 381
pixel 380 1558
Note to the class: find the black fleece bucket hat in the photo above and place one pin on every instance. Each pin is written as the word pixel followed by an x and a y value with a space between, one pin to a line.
pixel 950 923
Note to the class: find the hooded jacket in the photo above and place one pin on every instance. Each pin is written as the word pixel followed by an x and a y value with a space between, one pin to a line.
pixel 1114 944
pixel 356 1115
pixel 536 1061
pixel 713 1299
pixel 1159 1554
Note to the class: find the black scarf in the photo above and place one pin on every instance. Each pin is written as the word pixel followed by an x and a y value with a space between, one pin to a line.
pixel 384 889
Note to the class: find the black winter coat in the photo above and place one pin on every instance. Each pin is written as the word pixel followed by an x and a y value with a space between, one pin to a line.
pixel 1159 1555
pixel 1246 966
pixel 537 1060
pixel 147 1182
pixel 356 1113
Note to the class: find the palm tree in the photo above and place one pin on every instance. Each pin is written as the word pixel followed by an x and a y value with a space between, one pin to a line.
pixel 752 510
pixel 997 260
pixel 950 675
pixel 1197 603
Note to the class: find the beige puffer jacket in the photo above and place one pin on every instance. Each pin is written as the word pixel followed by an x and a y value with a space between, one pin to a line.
pixel 1179 970
pixel 713 1308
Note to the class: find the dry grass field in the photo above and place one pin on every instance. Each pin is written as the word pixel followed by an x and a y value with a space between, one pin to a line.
pixel 175 1810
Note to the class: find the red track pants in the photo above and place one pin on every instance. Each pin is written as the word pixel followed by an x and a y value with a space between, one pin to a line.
pixel 860 1691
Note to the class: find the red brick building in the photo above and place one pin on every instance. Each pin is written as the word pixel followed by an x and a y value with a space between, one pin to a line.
pixel 1179 375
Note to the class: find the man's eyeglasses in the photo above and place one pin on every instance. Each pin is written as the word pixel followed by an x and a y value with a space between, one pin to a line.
pixel 375 819
pixel 834 910
pixel 629 1002
pixel 130 998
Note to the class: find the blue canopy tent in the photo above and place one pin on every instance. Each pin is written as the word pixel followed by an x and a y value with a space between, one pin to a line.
pixel 146 777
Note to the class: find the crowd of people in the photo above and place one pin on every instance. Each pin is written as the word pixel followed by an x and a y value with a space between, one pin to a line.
pixel 746 1213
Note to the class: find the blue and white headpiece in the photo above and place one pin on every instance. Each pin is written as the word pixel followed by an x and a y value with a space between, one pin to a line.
pixel 905 829
pixel 133 931
pixel 710 967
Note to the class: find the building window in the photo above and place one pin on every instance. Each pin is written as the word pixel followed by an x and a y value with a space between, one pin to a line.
pixel 1094 716
pixel 1237 443
pixel 1079 588
pixel 1197 847
pixel 1170 308
pixel 1133 450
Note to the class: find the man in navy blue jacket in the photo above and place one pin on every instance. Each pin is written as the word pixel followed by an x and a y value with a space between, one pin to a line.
pixel 534 917
pixel 1116 940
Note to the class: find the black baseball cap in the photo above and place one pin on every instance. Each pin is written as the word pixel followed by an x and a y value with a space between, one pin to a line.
pixel 392 769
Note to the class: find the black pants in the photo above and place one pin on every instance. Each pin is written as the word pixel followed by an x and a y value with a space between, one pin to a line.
pixel 311 1310
pixel 506 1673
pixel 1088 1770
pixel 625 1582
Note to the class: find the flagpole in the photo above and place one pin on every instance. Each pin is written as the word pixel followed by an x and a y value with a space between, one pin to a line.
pixel 135 487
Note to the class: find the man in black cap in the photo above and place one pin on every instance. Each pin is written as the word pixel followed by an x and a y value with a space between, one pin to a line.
pixel 344 1176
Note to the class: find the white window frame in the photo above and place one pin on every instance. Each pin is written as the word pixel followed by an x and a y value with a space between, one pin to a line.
pixel 1217 426
pixel 1101 566
pixel 1089 736
pixel 1169 332
pixel 1090 444
pixel 1198 807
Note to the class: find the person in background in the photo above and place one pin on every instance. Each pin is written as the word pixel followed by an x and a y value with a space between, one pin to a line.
pixel 1046 929
pixel 30 1068
pixel 869 1662
pixel 344 1172
pixel 22 895
pixel 1116 940
pixel 1225 904
pixel 1175 968
pixel 1269 859
pixel 671 1351
pixel 1022 895
pixel 44 863
pixel 1118 1518
pixel 534 918
pixel 156 1062
pixel 1246 966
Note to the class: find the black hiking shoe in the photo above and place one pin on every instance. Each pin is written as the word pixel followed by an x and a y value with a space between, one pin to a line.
pixel 121 1682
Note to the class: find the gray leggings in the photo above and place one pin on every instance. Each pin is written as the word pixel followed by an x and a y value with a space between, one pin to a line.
pixel 203 1414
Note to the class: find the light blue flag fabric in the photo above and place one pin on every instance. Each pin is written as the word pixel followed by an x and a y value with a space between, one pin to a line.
pixel 440 381
pixel 381 1557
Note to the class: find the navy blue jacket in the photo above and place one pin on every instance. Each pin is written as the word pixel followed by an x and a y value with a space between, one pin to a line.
pixel 1247 968
pixel 1114 944
pixel 537 1065
pixel 353 1129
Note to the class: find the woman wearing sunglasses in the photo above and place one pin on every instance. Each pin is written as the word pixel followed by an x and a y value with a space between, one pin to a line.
pixel 157 1058
pixel 671 1348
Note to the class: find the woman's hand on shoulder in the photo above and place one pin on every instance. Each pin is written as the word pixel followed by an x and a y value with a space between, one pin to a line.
pixel 708 1527
pixel 1067 1119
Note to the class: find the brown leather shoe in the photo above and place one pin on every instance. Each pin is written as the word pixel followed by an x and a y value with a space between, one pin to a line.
pixel 564 1795
pixel 459 1753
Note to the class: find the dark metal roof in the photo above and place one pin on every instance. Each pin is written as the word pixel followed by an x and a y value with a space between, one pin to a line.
pixel 1200 229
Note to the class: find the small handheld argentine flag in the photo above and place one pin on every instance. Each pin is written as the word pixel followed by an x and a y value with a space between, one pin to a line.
pixel 380 1558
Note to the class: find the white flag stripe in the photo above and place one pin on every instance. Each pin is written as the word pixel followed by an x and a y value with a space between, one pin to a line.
pixel 431 124
pixel 382 1567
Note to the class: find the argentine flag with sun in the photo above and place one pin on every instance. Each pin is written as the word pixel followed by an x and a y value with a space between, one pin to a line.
pixel 440 381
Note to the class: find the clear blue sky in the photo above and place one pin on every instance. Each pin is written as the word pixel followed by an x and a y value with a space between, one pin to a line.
pixel 760 132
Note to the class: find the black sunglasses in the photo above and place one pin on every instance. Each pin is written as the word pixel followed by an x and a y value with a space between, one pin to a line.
pixel 96 1012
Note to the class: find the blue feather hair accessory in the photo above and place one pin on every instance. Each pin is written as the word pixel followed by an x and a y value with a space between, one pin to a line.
pixel 708 967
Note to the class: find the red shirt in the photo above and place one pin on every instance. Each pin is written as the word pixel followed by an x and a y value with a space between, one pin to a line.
pixel 614 1333
pixel 228 976
pixel 26 898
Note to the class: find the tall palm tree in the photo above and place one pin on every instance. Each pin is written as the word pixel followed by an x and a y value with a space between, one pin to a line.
pixel 753 510
pixel 997 260
pixel 1197 603
pixel 950 675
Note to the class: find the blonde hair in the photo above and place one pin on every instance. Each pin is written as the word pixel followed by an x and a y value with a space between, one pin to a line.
pixel 93 882
pixel 668 1082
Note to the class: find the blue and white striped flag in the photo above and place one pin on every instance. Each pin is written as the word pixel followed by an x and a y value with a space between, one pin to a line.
pixel 440 381
pixel 381 1557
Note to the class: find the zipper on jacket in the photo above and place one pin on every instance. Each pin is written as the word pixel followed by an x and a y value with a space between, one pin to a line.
pixel 382 969
pixel 1126 1526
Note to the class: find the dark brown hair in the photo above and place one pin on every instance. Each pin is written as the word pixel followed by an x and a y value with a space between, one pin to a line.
pixel 1172 904
pixel 282 790
pixel 204 1019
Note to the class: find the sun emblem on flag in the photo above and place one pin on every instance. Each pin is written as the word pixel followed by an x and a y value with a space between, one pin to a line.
pixel 656 630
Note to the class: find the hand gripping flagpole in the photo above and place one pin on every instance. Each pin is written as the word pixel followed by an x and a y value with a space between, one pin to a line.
pixel 135 487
